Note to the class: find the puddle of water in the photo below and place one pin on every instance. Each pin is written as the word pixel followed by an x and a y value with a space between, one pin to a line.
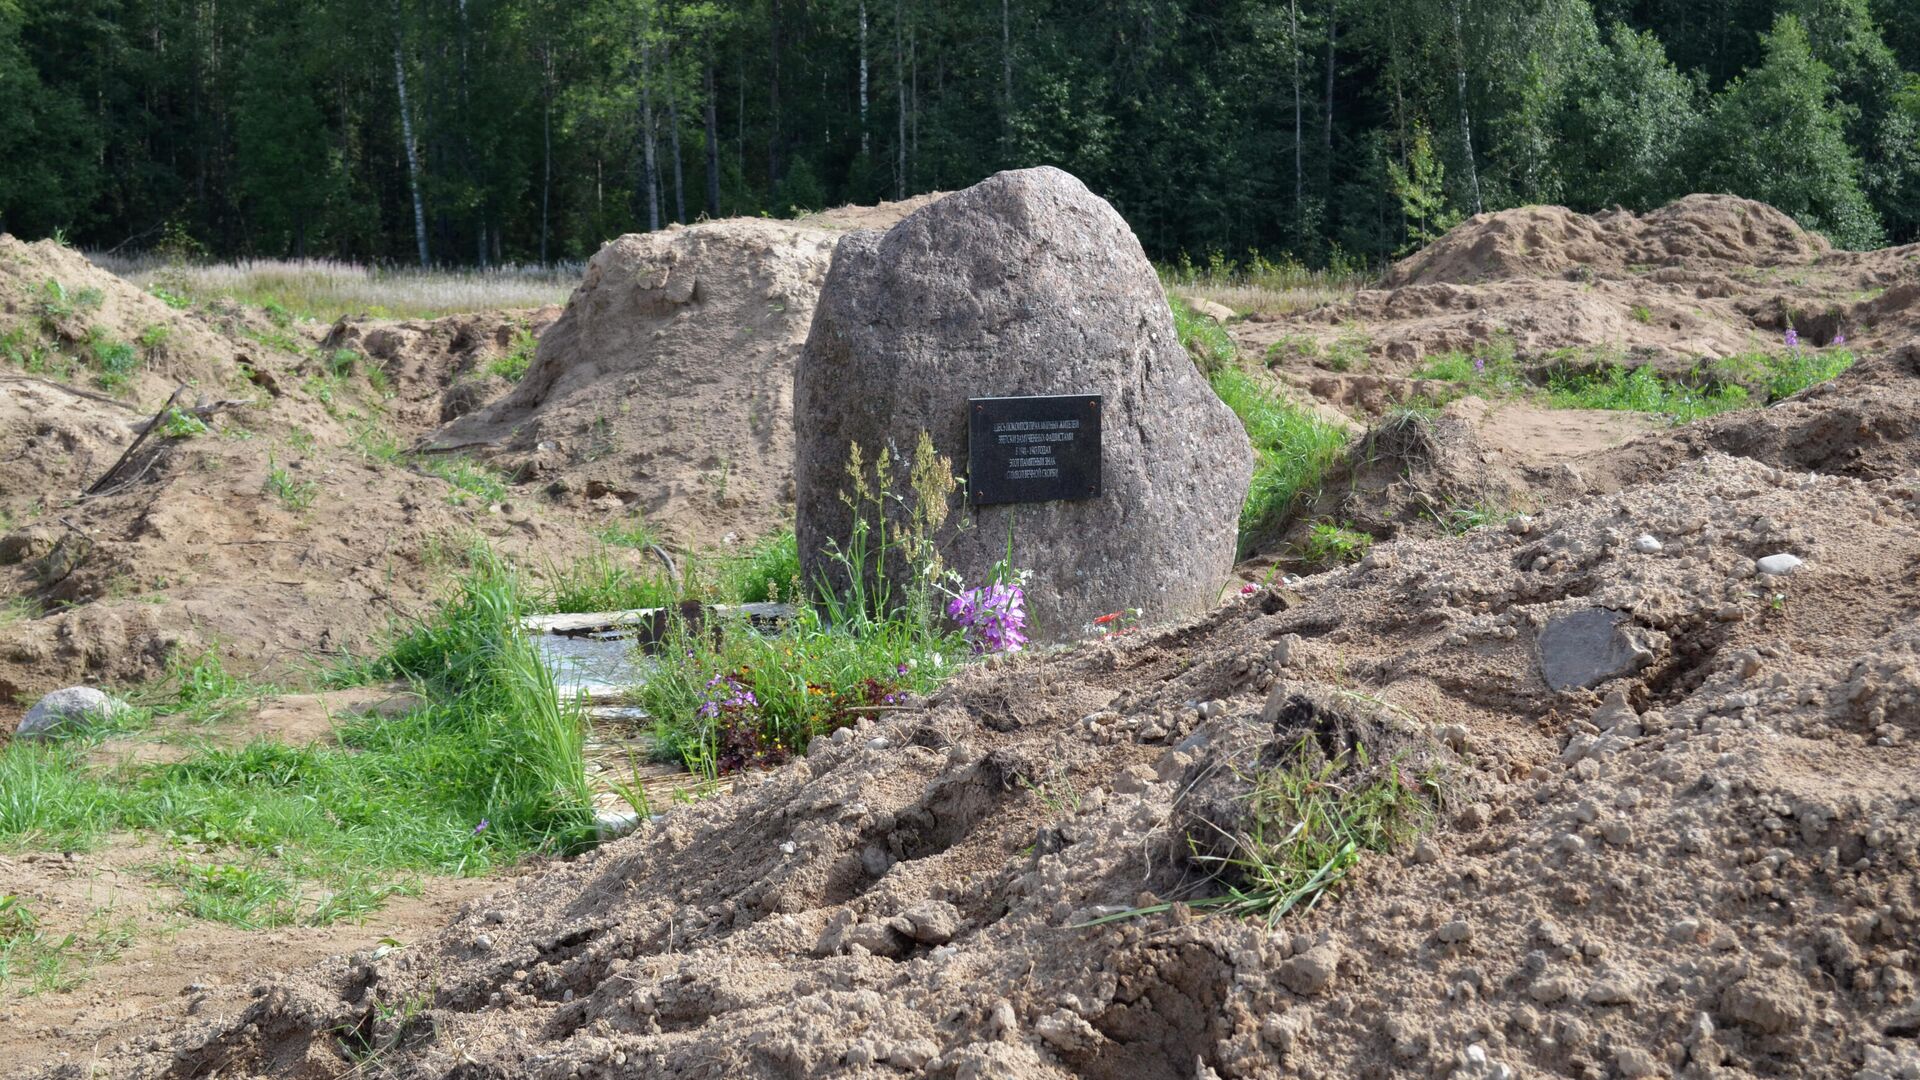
pixel 600 667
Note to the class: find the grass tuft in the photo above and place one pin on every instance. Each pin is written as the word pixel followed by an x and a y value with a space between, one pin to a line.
pixel 1293 450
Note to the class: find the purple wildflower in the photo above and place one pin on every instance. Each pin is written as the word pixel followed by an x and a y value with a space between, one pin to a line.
pixel 994 617
pixel 482 827
pixel 1793 338
pixel 1838 339
pixel 1479 365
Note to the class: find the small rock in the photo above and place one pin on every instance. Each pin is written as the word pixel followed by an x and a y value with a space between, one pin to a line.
pixel 1646 544
pixel 913 1056
pixel 1286 650
pixel 1065 1031
pixel 63 711
pixel 1762 1009
pixel 1456 932
pixel 1588 647
pixel 1426 851
pixel 1777 565
pixel 1520 524
pixel 1134 780
pixel 1475 816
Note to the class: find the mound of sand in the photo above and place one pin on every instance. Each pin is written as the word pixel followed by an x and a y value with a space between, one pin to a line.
pixel 668 381
pixel 666 386
pixel 1698 231
pixel 883 215
pixel 1706 277
pixel 1704 861
pixel 64 314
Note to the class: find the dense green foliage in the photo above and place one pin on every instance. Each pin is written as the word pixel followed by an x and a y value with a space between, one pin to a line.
pixel 1336 131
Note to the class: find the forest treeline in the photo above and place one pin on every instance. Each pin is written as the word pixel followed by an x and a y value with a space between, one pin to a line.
pixel 1329 131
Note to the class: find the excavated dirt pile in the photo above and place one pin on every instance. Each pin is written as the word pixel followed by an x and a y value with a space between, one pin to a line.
pixel 666 387
pixel 1706 277
pixel 1675 830
pixel 274 532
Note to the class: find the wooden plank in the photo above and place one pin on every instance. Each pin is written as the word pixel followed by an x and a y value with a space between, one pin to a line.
pixel 645 620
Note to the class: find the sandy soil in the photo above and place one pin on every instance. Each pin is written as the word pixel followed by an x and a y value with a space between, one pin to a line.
pixel 153 967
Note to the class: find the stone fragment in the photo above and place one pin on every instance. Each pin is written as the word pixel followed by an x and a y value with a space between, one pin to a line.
pixel 1776 565
pixel 1590 646
pixel 1613 990
pixel 1647 544
pixel 63 712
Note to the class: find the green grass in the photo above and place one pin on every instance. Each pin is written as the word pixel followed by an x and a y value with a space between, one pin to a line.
pixel 114 360
pixel 467 479
pixel 634 532
pixel 619 578
pixel 15 609
pixel 1641 389
pixel 178 424
pixel 1310 826
pixel 1335 545
pixel 489 770
pixel 812 677
pixel 1206 341
pixel 1734 383
pixel 514 364
pixel 768 570
pixel 33 961
pixel 1783 375
pixel 294 494
pixel 609 580
pixel 1293 449
pixel 198 689
pixel 1310 821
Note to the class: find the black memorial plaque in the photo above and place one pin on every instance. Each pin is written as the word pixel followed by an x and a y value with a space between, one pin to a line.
pixel 1033 449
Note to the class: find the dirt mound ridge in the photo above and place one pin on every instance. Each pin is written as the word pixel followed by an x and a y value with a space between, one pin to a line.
pixel 442 369
pixel 1719 231
pixel 882 215
pixel 668 381
pixel 1703 862
pixel 65 318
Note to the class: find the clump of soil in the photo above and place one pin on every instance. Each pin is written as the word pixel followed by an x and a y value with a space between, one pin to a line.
pixel 667 384
pixel 442 369
pixel 1701 857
